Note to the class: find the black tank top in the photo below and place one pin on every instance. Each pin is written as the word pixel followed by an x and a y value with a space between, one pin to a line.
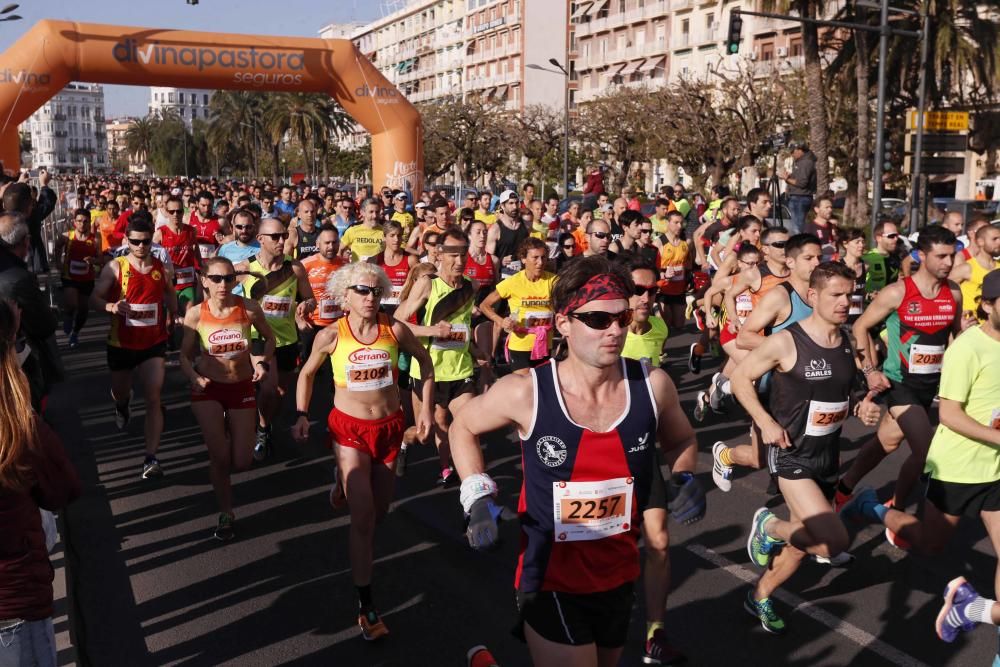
pixel 306 243
pixel 507 244
pixel 812 401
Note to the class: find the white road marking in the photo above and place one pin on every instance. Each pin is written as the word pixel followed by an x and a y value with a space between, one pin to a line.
pixel 860 637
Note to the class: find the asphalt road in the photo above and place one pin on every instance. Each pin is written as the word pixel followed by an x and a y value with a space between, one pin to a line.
pixel 149 586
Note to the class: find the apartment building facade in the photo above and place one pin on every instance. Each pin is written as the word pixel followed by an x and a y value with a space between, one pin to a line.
pixel 68 133
pixel 188 103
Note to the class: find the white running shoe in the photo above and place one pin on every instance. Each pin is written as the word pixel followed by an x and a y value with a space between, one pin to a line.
pixel 722 474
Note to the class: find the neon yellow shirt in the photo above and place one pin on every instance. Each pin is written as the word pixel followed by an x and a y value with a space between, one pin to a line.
pixel 530 305
pixel 649 345
pixel 364 242
pixel 970 375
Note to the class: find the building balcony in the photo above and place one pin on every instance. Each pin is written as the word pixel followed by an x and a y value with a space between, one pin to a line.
pixel 491 54
pixel 477 83
pixel 500 22
pixel 444 38
pixel 655 48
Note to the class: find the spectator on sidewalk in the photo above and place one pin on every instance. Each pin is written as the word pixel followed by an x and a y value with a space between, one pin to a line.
pixel 35 474
pixel 801 185
pixel 18 198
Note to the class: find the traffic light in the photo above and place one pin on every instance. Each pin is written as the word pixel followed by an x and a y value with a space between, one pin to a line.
pixel 735 28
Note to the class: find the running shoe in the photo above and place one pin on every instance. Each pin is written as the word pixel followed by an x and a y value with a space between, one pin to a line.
pixel 480 656
pixel 371 625
pixel 760 545
pixel 401 461
pixel 701 404
pixel 689 308
pixel 699 319
pixel 660 652
pixel 861 508
pixel 897 541
pixel 722 474
pixel 262 446
pixel 840 499
pixel 224 530
pixel 953 619
pixel 68 325
pixel 694 360
pixel 843 559
pixel 447 477
pixel 151 468
pixel 122 414
pixel 74 340
pixel 763 610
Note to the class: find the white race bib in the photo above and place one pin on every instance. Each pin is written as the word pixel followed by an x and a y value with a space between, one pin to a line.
pixel 995 419
pixel 184 276
pixel 825 418
pixel 143 314
pixel 394 296
pixel 857 304
pixel 207 250
pixel 276 307
pixel 78 268
pixel 329 310
pixel 926 359
pixel 369 376
pixel 537 318
pixel 744 305
pixel 513 267
pixel 592 510
pixel 227 343
pixel 675 274
pixel 457 340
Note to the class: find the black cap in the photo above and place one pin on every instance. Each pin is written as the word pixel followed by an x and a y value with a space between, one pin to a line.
pixel 991 285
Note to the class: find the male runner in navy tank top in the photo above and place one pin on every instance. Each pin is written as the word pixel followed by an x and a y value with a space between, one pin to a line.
pixel 922 312
pixel 813 374
pixel 780 307
pixel 587 433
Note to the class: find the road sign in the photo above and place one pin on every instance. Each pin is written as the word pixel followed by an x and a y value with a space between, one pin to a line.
pixel 938 143
pixel 937 165
pixel 940 121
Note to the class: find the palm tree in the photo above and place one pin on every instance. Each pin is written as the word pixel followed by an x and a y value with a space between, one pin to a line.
pixel 818 129
pixel 139 138
pixel 236 123
pixel 310 118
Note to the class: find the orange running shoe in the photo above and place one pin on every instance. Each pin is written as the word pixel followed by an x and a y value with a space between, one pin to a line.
pixel 371 625
pixel 480 656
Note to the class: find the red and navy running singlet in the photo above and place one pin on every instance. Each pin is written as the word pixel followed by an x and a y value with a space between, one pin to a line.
pixel 584 492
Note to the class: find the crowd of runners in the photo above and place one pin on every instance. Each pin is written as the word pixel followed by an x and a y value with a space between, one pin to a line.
pixel 439 321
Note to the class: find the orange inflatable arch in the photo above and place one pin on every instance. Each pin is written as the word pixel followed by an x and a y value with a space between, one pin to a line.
pixel 54 53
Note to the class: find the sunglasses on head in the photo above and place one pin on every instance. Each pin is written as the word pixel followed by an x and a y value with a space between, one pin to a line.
pixel 601 320
pixel 228 278
pixel 365 290
pixel 140 241
pixel 651 290
pixel 277 236
pixel 600 235
pixel 777 244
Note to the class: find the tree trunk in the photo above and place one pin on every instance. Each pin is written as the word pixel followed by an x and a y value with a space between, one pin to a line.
pixel 818 132
pixel 276 156
pixel 864 126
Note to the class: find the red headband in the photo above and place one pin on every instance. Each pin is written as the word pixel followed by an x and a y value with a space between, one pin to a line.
pixel 602 287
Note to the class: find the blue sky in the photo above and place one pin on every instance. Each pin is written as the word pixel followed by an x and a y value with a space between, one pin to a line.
pixel 274 17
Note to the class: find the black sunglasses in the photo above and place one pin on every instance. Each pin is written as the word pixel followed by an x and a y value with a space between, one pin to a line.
pixel 569 246
pixel 645 231
pixel 242 226
pixel 651 290
pixel 277 236
pixel 601 320
pixel 228 278
pixel 174 211
pixel 365 290
pixel 777 244
pixel 140 241
pixel 891 236
pixel 600 235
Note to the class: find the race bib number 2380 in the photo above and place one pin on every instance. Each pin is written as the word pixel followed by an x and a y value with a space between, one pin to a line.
pixel 592 510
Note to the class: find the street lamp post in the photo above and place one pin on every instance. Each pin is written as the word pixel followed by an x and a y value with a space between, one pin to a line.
pixel 561 70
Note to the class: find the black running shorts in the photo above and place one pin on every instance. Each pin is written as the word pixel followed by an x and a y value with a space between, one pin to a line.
pixel 958 499
pixel 577 619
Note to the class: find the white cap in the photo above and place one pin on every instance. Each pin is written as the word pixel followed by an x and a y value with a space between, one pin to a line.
pixel 176 192
pixel 506 195
pixel 420 204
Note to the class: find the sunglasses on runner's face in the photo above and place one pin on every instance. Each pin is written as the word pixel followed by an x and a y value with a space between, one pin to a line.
pixel 174 211
pixel 645 231
pixel 277 236
pixel 600 235
pixel 569 246
pixel 242 226
pixel 651 290
pixel 228 278
pixel 891 236
pixel 777 244
pixel 140 241
pixel 365 290
pixel 600 320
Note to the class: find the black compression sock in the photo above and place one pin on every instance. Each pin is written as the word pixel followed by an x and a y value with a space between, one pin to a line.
pixel 364 596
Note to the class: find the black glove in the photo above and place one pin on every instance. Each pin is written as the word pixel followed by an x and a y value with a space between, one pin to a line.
pixel 685 498
pixel 482 530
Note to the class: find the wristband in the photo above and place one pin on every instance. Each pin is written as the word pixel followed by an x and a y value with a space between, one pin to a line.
pixel 475 487
pixel 302 413
pixel 263 364
pixel 867 370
